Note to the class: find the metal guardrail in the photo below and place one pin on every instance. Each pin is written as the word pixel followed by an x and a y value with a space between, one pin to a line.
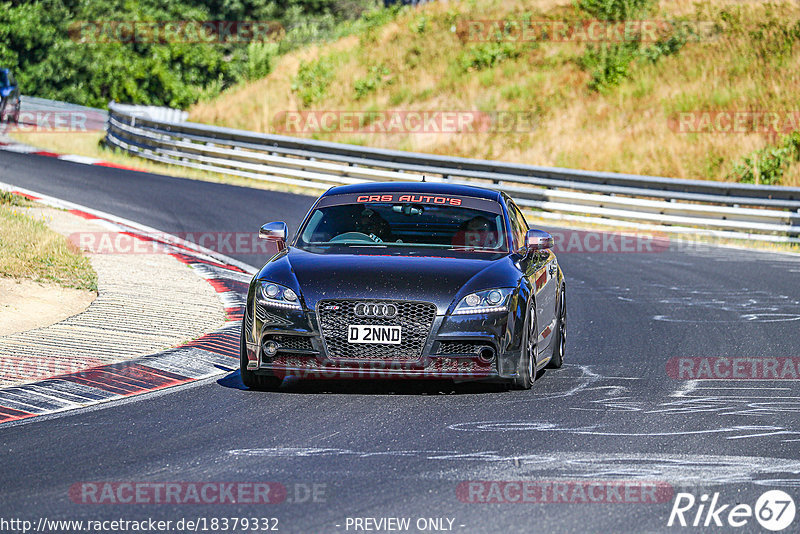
pixel 722 209
pixel 155 113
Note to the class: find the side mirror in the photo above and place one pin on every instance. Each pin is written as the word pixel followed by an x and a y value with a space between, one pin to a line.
pixel 538 240
pixel 275 231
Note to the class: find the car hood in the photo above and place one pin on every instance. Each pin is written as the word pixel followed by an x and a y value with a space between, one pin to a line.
pixel 431 279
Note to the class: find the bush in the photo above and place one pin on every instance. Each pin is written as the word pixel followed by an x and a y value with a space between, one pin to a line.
pixel 375 78
pixel 50 62
pixel 372 21
pixel 53 60
pixel 775 39
pixel 260 58
pixel 9 198
pixel 313 79
pixel 611 63
pixel 668 45
pixel 615 10
pixel 767 165
pixel 608 64
pixel 419 24
pixel 487 55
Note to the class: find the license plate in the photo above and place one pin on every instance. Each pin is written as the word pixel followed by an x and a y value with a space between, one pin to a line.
pixel 368 333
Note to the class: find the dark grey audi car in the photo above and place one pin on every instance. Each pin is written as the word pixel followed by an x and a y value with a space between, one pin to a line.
pixel 406 280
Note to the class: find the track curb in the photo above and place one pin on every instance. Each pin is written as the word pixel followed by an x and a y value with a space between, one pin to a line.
pixel 213 354
pixel 9 145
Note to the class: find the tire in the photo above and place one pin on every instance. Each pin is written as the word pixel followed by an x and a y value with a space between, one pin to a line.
pixel 560 342
pixel 249 378
pixel 526 369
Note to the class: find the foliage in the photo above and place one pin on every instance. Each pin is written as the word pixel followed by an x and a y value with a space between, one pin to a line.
pixel 419 24
pixel 10 199
pixel 608 64
pixel 487 55
pixel 312 80
pixel 377 76
pixel 766 166
pixel 49 45
pixel 611 63
pixel 615 10
pixel 260 57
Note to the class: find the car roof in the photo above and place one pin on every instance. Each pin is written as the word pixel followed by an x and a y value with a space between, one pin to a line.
pixel 436 188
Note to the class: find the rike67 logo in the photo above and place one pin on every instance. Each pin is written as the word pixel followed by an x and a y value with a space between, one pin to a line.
pixel 774 510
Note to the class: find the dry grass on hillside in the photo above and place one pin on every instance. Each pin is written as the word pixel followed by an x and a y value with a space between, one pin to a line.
pixel 623 129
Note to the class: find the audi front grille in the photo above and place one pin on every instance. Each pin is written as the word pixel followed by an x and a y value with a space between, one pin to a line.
pixel 415 319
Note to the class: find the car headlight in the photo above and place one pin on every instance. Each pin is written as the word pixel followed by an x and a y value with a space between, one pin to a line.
pixel 272 294
pixel 487 301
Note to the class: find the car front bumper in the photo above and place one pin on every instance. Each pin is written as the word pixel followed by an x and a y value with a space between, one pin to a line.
pixel 458 347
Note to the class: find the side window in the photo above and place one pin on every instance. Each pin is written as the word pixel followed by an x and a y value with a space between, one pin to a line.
pixel 519 227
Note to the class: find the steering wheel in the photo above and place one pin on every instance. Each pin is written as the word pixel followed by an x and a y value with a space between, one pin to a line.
pixel 355 236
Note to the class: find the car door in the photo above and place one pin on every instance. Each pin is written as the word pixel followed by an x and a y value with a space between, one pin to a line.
pixel 542 272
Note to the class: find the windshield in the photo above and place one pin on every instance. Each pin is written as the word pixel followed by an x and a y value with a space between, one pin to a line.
pixel 431 222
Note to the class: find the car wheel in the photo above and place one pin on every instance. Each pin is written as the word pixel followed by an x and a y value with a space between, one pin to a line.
pixel 249 378
pixel 527 363
pixel 560 342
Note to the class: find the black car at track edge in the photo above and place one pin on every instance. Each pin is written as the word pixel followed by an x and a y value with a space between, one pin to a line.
pixel 406 280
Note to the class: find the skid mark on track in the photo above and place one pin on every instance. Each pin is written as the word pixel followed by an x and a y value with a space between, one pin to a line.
pixel 629 407
pixel 754 400
pixel 731 432
pixel 674 468
pixel 706 305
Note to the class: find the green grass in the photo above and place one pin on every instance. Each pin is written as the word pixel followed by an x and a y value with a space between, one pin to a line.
pixel 29 249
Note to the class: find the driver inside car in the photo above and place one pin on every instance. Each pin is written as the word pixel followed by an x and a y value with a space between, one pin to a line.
pixel 342 220
pixel 372 224
pixel 478 232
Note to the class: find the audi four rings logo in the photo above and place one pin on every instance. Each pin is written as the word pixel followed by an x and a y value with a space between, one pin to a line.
pixel 372 309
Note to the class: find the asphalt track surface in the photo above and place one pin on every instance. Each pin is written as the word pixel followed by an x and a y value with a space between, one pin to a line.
pixel 400 449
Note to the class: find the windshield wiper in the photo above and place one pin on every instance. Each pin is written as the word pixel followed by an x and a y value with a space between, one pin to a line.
pixel 389 244
pixel 474 249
